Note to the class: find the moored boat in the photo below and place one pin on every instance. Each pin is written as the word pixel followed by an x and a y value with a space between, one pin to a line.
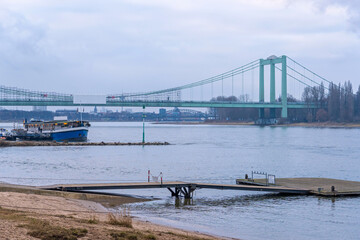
pixel 57 130
pixel 3 133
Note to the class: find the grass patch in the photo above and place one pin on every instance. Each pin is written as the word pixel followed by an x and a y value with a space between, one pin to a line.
pixel 150 237
pixel 40 228
pixel 123 219
pixel 132 237
pixel 91 220
pixel 45 231
pixel 125 235
pixel 118 235
pixel 14 215
pixel 64 216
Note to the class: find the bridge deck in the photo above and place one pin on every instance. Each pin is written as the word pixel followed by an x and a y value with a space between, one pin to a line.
pixel 197 104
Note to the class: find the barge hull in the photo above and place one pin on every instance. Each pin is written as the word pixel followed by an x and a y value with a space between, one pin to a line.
pixel 79 135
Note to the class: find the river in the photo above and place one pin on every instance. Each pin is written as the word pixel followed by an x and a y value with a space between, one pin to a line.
pixel 215 154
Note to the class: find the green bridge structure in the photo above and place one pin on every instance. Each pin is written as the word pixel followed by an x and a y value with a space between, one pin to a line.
pixel 199 94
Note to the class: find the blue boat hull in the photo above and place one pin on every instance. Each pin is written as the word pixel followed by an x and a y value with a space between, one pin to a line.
pixel 74 135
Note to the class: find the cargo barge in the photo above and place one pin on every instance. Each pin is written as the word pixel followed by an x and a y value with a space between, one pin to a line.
pixel 57 130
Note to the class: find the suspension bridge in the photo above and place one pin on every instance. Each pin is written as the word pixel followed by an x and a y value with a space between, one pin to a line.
pixel 242 87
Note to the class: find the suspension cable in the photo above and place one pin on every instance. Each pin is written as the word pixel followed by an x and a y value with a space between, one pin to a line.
pixel 293 77
pixel 236 71
pixel 309 70
pixel 304 76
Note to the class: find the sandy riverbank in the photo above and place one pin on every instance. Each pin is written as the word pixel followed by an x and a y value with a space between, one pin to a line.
pixel 34 216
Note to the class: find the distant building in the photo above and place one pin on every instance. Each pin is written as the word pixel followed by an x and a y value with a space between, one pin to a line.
pixel 65 111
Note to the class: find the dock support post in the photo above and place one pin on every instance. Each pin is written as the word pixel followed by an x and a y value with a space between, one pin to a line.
pixel 175 193
pixel 189 192
pixel 186 192
pixel 172 192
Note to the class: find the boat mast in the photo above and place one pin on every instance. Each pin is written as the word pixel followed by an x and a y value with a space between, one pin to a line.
pixel 80 115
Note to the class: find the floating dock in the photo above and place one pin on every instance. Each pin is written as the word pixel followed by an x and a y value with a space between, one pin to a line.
pixel 300 186
pixel 316 186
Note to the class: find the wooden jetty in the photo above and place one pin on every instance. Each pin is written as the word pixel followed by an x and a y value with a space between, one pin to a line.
pixel 176 188
pixel 301 186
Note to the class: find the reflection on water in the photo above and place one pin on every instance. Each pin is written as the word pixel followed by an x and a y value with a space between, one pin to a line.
pixel 214 154
pixel 181 202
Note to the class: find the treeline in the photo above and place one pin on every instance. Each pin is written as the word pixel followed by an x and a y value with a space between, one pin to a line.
pixel 234 114
pixel 20 115
pixel 337 103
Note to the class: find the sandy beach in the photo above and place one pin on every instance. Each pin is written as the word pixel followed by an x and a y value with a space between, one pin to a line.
pixel 34 216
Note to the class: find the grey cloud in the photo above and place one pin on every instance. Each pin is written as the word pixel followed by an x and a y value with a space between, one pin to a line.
pixel 145 45
pixel 20 43
pixel 20 35
pixel 25 57
pixel 352 7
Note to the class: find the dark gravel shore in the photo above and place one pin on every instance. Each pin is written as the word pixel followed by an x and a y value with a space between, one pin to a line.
pixel 4 143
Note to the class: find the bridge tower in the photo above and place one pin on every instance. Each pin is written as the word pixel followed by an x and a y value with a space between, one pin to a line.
pixel 272 60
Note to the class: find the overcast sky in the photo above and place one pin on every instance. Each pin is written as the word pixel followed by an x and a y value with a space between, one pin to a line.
pixel 113 46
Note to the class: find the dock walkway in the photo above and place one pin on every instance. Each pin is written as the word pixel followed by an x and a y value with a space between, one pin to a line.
pixel 176 188
pixel 314 186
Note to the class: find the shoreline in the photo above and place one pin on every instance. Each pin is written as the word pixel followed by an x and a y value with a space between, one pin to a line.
pixel 21 205
pixel 300 124
pixel 321 125
pixel 249 123
pixel 6 143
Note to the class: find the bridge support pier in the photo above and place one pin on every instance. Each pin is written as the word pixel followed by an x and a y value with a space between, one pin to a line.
pixel 261 89
pixel 262 113
pixel 284 112
pixel 272 89
pixel 272 60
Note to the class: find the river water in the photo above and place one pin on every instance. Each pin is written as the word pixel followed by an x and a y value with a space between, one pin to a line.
pixel 214 154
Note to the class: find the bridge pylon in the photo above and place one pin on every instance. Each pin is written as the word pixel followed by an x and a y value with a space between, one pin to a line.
pixel 272 60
